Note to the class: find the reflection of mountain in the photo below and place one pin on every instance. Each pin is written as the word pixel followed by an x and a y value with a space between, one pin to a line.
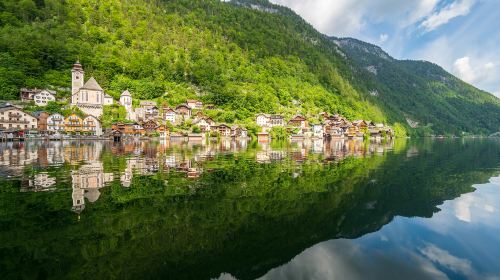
pixel 243 218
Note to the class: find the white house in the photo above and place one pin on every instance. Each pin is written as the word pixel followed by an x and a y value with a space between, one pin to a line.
pixel 91 124
pixel 108 99
pixel 170 115
pixel 195 104
pixel 318 131
pixel 43 97
pixel 12 117
pixel 55 123
pixel 262 119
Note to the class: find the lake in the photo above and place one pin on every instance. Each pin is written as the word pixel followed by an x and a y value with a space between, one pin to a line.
pixel 404 209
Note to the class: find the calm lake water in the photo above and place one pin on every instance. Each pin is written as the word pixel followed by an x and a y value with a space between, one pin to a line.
pixel 426 209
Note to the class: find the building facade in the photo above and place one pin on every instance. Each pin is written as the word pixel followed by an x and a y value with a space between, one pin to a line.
pixel 89 96
pixel 43 97
pixel 13 118
pixel 55 123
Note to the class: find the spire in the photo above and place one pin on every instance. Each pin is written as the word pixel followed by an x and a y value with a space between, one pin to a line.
pixel 77 67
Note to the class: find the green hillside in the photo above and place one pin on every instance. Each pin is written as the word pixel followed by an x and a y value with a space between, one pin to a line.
pixel 244 56
pixel 425 92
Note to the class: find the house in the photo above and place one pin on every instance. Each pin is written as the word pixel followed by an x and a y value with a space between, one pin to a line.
pixel 267 120
pixel 73 123
pixel 89 96
pixel 204 124
pixel 238 132
pixel 183 111
pixel 108 99
pixel 149 110
pixel 163 131
pixel 333 131
pixel 276 120
pixel 210 107
pixel 150 126
pixel 127 128
pixel 42 118
pixel 318 131
pixel 194 104
pixel 146 110
pixel 354 132
pixel 262 120
pixel 43 97
pixel 361 124
pixel 12 118
pixel 92 126
pixel 298 121
pixel 27 94
pixel 169 115
pixel 55 123
pixel 224 130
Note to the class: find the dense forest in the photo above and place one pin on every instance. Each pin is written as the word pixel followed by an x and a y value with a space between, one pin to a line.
pixel 244 56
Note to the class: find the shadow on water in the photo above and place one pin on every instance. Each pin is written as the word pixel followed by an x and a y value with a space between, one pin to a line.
pixel 193 211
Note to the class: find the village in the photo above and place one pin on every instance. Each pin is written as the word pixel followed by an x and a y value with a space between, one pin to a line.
pixel 152 120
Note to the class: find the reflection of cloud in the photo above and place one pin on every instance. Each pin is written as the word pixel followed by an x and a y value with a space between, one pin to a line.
pixel 345 259
pixel 462 208
pixel 444 258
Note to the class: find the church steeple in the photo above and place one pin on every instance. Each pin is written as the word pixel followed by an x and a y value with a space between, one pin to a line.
pixel 77 77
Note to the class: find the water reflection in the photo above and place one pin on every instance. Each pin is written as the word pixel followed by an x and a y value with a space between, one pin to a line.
pixel 88 174
pixel 241 209
pixel 450 245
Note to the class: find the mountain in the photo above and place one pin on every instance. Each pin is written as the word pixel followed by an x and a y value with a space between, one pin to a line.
pixel 427 94
pixel 245 56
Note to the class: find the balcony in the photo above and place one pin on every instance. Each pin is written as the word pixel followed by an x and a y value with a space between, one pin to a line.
pixel 17 121
pixel 15 115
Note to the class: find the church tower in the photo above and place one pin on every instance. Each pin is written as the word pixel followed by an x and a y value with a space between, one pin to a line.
pixel 76 77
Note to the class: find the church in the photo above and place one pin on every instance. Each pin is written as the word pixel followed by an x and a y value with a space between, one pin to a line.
pixel 89 96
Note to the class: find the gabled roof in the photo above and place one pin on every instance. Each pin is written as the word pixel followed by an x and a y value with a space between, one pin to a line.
pixel 166 110
pixel 126 93
pixel 92 85
pixel 297 118
pixel 37 114
pixel 7 106
pixel 107 96
pixel 183 105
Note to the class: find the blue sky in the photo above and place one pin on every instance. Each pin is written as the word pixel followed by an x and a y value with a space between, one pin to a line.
pixel 462 36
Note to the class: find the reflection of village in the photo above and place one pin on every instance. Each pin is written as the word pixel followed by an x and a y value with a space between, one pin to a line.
pixel 45 166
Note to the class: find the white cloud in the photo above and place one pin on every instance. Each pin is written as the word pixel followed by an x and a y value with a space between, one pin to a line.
pixel 382 38
pixel 473 73
pixel 463 69
pixel 350 18
pixel 443 16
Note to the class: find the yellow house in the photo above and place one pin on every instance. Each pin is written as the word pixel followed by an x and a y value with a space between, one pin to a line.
pixel 73 123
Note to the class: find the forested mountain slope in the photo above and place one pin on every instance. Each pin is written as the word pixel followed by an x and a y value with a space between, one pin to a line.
pixel 425 92
pixel 245 56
